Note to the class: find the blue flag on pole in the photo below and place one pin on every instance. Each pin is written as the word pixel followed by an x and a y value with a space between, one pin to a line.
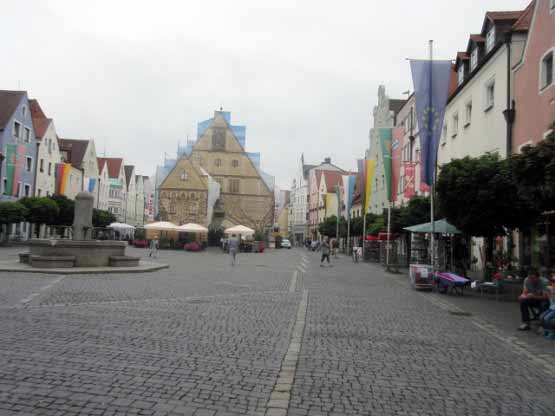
pixel 348 192
pixel 431 87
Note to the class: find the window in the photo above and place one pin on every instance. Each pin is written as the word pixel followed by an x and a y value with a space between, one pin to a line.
pixel 490 39
pixel 489 95
pixel 16 129
pixel 42 165
pixel 20 190
pixel 546 70
pixel 49 145
pixel 218 162
pixel 468 113
pixel 39 191
pixel 461 73
pixel 184 176
pixel 474 59
pixel 24 111
pixel 4 186
pixel 218 138
pixel 27 190
pixel 444 133
pixel 235 163
pixel 234 185
pixel 455 124
pixel 27 136
pixel 29 164
pixel 49 168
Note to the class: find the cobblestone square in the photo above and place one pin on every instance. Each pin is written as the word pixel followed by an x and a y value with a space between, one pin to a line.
pixel 275 334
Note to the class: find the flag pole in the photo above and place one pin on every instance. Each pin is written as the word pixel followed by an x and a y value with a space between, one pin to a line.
pixel 430 132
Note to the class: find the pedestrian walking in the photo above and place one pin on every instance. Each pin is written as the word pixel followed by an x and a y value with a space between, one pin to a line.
pixel 153 248
pixel 325 252
pixel 233 245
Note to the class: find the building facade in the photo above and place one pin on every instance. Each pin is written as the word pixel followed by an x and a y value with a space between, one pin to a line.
pixel 218 154
pixel 384 117
pixel 131 195
pixel 81 154
pixel 117 192
pixel 298 206
pixel 18 146
pixel 534 77
pixel 48 151
pixel 315 196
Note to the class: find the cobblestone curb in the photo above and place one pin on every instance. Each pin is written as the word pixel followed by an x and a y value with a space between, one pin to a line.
pixel 281 393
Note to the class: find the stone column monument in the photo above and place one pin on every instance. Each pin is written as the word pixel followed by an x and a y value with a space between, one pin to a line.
pixel 82 221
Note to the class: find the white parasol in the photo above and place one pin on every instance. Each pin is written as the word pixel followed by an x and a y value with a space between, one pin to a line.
pixel 192 228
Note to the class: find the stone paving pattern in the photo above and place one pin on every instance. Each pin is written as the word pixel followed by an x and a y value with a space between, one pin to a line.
pixel 203 338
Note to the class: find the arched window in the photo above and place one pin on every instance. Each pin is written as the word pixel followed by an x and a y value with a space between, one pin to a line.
pixel 184 176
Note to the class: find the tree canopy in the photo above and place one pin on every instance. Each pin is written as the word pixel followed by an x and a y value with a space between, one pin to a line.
pixel 40 210
pixel 102 219
pixel 67 210
pixel 481 197
pixel 12 212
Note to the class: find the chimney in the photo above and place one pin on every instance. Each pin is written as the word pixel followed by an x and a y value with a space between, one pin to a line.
pixel 327 160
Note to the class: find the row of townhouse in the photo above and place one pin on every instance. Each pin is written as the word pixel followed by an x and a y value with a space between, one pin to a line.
pixel 35 161
pixel 313 198
pixel 501 98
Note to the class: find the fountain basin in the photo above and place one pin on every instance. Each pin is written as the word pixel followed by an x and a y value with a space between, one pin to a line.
pixel 85 253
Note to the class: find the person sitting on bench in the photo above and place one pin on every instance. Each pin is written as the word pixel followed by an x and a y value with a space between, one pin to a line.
pixel 534 296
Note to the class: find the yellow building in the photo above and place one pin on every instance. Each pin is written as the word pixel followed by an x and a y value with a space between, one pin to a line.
pixel 217 155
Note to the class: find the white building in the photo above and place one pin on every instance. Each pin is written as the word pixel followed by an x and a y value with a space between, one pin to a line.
pixel 103 188
pixel 117 192
pixel 48 151
pixel 148 190
pixel 139 201
pixel 474 122
pixel 298 202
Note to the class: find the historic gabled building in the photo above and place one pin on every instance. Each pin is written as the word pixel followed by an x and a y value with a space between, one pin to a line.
pixel 219 156
pixel 48 151
pixel 18 146
pixel 117 191
pixel 81 154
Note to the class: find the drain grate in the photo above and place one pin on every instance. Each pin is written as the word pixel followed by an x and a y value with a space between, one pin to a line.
pixel 198 301
pixel 460 313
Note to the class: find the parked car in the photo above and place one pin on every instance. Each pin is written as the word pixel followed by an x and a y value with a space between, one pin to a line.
pixel 285 243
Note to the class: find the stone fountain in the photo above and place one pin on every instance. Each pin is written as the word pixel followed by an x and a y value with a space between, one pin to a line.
pixel 82 251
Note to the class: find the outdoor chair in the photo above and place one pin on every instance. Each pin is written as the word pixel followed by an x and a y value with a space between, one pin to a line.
pixel 497 287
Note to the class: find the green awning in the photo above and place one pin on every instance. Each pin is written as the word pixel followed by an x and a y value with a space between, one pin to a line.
pixel 440 227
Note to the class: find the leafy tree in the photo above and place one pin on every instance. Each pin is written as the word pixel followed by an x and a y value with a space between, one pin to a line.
pixel 480 196
pixel 328 227
pixel 416 212
pixel 40 210
pixel 12 212
pixel 377 226
pixel 102 219
pixel 67 210
pixel 534 172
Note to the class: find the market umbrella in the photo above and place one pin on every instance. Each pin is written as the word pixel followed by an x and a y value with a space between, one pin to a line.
pixel 161 226
pixel 121 226
pixel 440 227
pixel 239 229
pixel 192 228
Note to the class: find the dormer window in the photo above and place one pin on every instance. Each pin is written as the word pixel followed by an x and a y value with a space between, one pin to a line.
pixel 474 58
pixel 461 73
pixel 490 39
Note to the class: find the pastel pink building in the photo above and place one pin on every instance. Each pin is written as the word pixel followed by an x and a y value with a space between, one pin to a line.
pixel 534 79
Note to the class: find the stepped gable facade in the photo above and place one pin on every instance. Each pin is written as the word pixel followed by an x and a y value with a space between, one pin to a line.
pixel 219 155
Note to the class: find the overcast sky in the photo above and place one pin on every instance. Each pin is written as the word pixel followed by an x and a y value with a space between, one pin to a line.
pixel 302 75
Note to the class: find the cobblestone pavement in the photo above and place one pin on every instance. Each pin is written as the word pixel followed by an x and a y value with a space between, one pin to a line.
pixel 274 335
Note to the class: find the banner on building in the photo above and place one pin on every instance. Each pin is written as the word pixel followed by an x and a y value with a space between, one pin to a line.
pixel 349 182
pixel 338 195
pixel 409 179
pixel 385 145
pixel 431 86
pixel 15 159
pixel 89 184
pixel 62 177
pixel 370 167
